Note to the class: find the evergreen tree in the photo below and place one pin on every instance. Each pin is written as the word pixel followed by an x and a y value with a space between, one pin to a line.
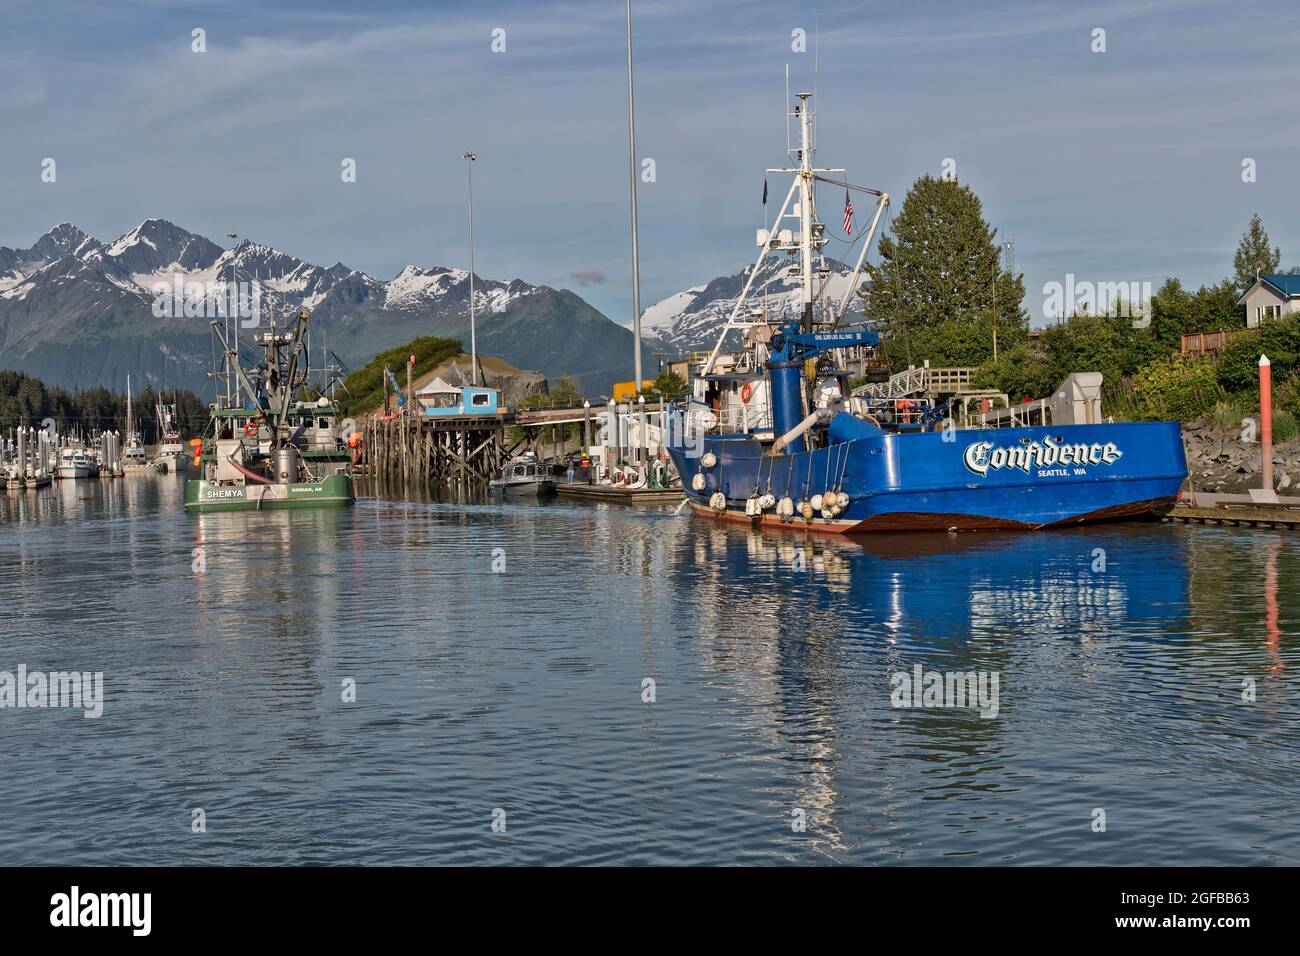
pixel 1254 257
pixel 940 291
pixel 29 401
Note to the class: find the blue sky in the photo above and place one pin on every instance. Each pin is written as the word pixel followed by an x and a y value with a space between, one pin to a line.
pixel 1115 166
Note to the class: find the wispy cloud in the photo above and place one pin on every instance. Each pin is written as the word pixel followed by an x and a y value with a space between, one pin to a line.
pixel 592 276
pixel 1099 164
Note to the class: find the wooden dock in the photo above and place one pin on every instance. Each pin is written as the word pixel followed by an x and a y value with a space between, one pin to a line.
pixel 619 495
pixel 1237 510
pixel 419 450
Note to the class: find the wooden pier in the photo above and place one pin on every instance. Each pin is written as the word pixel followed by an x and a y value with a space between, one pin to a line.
pixel 1237 510
pixel 453 451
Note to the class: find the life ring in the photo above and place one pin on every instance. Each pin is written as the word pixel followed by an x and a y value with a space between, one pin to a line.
pixel 250 429
pixel 747 392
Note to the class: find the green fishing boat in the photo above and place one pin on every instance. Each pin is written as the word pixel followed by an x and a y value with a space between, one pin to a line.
pixel 334 491
pixel 275 439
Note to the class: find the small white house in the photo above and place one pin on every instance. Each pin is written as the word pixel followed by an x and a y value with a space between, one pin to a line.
pixel 1271 297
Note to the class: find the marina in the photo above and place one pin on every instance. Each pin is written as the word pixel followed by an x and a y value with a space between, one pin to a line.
pixel 772 691
pixel 835 448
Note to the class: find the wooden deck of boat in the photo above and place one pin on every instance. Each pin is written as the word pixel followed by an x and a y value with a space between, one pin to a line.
pixel 1237 510
pixel 618 495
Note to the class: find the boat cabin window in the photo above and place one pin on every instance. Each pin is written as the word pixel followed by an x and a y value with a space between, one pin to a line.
pixel 323 423
pixel 479 400
pixel 444 400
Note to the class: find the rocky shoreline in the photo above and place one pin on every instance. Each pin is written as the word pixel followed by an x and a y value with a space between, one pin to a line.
pixel 1219 461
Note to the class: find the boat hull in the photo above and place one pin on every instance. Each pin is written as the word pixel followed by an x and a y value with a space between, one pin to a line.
pixel 172 464
pixel 202 496
pixel 524 489
pixel 999 479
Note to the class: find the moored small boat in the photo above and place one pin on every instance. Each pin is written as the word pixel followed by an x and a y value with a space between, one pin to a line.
pixel 524 476
pixel 170 457
pixel 77 463
pixel 134 460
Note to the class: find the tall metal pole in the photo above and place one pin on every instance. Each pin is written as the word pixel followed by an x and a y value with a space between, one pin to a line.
pixel 805 212
pixel 234 282
pixel 473 337
pixel 636 256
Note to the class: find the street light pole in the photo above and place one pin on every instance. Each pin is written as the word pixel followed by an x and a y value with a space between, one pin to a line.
pixel 631 158
pixel 234 282
pixel 473 337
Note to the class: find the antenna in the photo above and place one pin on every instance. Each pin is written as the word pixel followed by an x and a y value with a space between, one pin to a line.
pixel 786 109
pixel 817 55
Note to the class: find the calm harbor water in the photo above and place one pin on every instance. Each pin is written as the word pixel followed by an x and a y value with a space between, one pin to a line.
pixel 520 689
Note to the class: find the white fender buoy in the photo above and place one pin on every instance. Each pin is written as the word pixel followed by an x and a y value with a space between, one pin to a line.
pixel 806 510
pixel 785 507
pixel 697 483
pixel 816 502
pixel 826 515
pixel 718 502
pixel 766 502
pixel 843 498
pixel 708 460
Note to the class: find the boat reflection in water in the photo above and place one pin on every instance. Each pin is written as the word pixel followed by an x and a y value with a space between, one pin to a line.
pixel 1109 677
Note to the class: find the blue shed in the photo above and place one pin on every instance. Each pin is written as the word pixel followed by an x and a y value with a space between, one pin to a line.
pixel 439 398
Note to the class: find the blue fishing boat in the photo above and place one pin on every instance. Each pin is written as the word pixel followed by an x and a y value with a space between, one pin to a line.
pixel 771 435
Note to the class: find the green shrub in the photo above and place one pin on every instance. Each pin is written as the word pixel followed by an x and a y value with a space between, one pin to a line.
pixel 1279 339
pixel 1020 371
pixel 1176 389
pixel 1285 427
pixel 364 388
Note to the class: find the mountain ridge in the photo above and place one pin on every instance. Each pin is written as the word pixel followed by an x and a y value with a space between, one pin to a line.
pixel 79 312
pixel 693 318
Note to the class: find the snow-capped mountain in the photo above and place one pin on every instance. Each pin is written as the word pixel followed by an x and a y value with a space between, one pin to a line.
pixel 692 319
pixel 78 313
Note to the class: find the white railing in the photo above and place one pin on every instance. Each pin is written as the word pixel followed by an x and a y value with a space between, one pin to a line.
pixel 918 381
pixel 910 382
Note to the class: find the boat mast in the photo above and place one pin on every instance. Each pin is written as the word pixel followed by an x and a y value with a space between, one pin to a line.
pixel 805 179
pixel 808 245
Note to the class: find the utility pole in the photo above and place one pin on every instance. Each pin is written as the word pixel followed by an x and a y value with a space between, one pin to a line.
pixel 473 337
pixel 1010 249
pixel 631 159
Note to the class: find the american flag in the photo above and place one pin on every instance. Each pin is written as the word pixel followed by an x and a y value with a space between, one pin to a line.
pixel 848 214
